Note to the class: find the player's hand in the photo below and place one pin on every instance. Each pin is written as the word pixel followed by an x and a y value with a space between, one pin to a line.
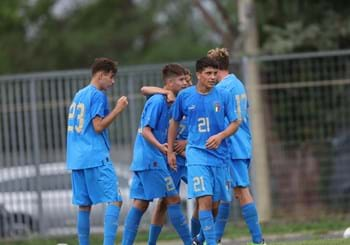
pixel 213 142
pixel 170 97
pixel 180 146
pixel 172 160
pixel 183 153
pixel 122 103
pixel 164 148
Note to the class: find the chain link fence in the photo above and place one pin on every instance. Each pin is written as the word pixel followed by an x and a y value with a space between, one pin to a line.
pixel 305 118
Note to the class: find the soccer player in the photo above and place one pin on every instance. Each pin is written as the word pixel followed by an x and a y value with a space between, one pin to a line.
pixel 151 177
pixel 205 108
pixel 93 177
pixel 158 217
pixel 241 148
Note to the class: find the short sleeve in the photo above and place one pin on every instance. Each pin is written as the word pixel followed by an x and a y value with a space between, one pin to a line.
pixel 152 112
pixel 98 105
pixel 230 108
pixel 177 114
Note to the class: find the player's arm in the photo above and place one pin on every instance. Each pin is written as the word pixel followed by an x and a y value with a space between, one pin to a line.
pixel 231 115
pixel 214 141
pixel 100 123
pixel 172 131
pixel 149 136
pixel 150 90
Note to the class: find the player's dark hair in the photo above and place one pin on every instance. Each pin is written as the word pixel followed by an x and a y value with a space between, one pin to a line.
pixel 172 70
pixel 187 71
pixel 206 62
pixel 221 55
pixel 104 64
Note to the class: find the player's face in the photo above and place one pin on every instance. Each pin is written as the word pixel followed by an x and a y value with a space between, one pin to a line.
pixel 178 83
pixel 107 80
pixel 208 77
pixel 188 80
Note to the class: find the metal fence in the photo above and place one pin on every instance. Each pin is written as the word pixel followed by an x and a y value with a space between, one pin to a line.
pixel 305 118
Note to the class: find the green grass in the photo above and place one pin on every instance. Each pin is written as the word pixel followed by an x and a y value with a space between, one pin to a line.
pixel 317 227
pixel 316 242
pixel 314 233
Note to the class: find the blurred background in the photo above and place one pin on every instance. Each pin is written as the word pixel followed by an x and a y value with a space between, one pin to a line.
pixel 293 56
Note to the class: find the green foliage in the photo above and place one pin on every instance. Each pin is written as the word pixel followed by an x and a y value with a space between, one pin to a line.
pixel 297 26
pixel 34 38
pixel 152 31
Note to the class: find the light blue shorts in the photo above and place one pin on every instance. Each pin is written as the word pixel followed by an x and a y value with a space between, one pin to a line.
pixel 150 184
pixel 178 175
pixel 209 181
pixel 95 185
pixel 239 170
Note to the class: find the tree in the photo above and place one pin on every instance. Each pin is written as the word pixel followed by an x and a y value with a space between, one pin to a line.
pixel 129 31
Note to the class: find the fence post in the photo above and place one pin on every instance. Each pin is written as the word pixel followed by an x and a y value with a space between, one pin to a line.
pixel 133 112
pixel 36 151
pixel 259 169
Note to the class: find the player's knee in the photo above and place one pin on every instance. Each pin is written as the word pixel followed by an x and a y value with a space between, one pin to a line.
pixel 205 203
pixel 238 193
pixel 161 205
pixel 141 205
pixel 173 200
pixel 118 204
pixel 243 195
pixel 195 211
pixel 85 208
pixel 215 208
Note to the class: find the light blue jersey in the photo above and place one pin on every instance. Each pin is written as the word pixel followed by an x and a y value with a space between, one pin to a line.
pixel 85 147
pixel 241 142
pixel 156 114
pixel 182 135
pixel 205 114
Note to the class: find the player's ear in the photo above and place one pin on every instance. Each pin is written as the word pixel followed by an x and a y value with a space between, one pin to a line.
pixel 198 74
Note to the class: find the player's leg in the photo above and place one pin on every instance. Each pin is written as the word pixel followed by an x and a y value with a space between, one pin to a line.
pixel 176 216
pixel 201 186
pixel 157 222
pixel 133 220
pixel 111 222
pixel 82 199
pixel 224 207
pixel 83 225
pixel 103 187
pixel 195 224
pixel 140 205
pixel 158 216
pixel 221 219
pixel 246 201
pixel 249 213
pixel 206 219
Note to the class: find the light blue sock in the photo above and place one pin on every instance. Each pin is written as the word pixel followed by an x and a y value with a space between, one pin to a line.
pixel 221 220
pixel 195 226
pixel 250 216
pixel 154 231
pixel 131 225
pixel 111 224
pixel 83 227
pixel 179 222
pixel 208 226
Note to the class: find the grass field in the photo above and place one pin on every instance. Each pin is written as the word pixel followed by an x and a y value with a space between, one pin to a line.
pixel 316 242
pixel 324 231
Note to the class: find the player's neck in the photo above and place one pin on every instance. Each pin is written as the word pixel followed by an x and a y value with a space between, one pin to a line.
pixel 95 83
pixel 170 89
pixel 222 74
pixel 203 89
